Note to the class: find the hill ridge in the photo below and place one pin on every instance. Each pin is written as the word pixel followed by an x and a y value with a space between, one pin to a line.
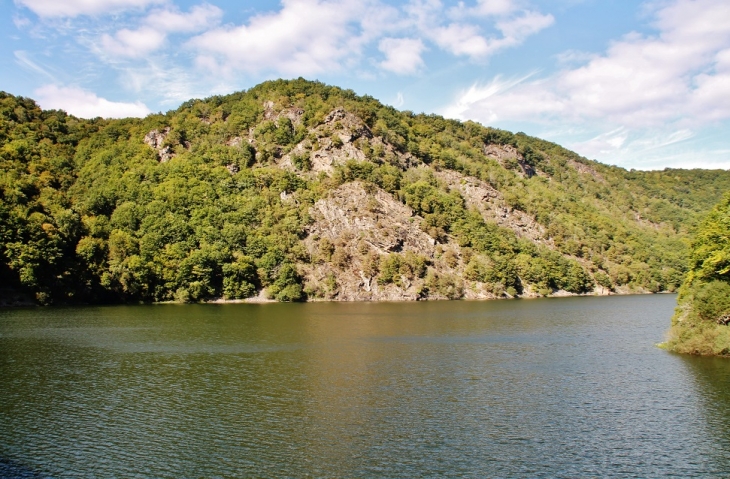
pixel 231 195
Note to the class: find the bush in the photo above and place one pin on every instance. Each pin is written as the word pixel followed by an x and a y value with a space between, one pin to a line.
pixel 444 285
pixel 287 286
pixel 711 300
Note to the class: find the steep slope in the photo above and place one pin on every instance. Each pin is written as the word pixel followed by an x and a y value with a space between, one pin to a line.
pixel 308 191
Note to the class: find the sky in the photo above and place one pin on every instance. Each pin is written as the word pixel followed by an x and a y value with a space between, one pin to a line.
pixel 642 85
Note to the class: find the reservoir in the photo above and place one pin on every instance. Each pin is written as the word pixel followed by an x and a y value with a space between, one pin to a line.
pixel 564 387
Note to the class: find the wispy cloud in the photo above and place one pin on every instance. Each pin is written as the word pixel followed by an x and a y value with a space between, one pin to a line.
pixel 24 60
pixel 669 83
pixel 475 102
pixel 169 84
pixel 399 100
pixel 461 30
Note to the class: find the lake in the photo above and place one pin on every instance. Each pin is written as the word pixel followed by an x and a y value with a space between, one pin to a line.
pixel 564 387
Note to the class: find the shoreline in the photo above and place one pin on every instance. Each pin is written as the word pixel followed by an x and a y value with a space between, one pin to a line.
pixel 262 299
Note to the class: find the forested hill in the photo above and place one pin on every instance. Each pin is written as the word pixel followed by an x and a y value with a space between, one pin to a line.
pixel 296 190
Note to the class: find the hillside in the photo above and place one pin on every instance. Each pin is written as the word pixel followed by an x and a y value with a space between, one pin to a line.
pixel 701 323
pixel 296 190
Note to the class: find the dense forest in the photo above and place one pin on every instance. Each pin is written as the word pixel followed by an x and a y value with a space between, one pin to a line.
pixel 701 324
pixel 295 190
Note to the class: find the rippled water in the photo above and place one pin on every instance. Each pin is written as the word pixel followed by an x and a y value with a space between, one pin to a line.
pixel 533 388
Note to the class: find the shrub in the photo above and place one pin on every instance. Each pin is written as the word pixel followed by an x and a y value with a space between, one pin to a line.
pixel 711 300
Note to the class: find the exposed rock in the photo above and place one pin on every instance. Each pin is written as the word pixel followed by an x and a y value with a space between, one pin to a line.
pixel 335 143
pixel 156 139
pixel 235 141
pixel 328 155
pixel 586 170
pixel 506 153
pixel 490 203
pixel 294 113
pixel 356 228
pixel 363 226
pixel 646 222
pixel 269 113
pixel 288 197
pixel 378 218
pixel 302 149
pixel 341 137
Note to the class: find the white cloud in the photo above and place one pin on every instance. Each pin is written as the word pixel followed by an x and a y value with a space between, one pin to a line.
pixel 635 145
pixel 710 98
pixel 483 8
pixel 133 43
pixel 313 36
pixel 199 18
pixel 304 37
pixel 297 38
pixel 517 29
pixel 73 8
pixel 85 104
pixel 494 7
pixel 155 28
pixel 402 55
pixel 467 38
pixel 668 83
pixel 462 39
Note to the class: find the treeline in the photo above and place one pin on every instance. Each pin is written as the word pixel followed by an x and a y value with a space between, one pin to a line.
pixel 90 213
pixel 701 324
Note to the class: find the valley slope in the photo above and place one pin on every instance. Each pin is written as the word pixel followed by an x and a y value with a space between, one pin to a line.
pixel 295 190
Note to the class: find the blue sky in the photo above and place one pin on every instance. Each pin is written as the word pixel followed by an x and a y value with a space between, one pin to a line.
pixel 641 85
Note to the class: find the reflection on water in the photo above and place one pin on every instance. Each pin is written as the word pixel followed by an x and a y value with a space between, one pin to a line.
pixel 711 384
pixel 543 388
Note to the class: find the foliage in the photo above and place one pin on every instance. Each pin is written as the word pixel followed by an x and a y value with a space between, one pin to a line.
pixel 90 213
pixel 701 324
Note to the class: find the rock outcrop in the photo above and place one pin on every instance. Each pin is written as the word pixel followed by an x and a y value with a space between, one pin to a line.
pixel 359 230
pixel 505 154
pixel 490 203
pixel 156 139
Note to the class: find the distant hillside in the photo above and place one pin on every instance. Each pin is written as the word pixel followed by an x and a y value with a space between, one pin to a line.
pixel 296 190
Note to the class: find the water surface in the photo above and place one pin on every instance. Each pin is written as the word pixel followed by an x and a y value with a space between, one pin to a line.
pixel 534 388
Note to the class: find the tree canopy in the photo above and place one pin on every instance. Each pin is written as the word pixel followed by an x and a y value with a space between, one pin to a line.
pixel 701 324
pixel 215 199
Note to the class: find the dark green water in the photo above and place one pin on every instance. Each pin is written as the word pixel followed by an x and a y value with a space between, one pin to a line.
pixel 541 388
